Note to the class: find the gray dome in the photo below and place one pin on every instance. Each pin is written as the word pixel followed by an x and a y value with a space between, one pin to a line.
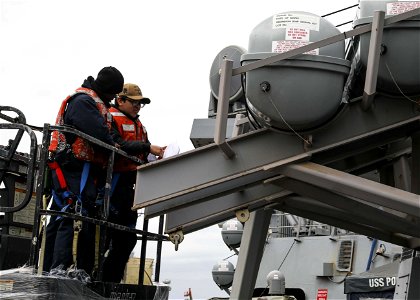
pixel 288 30
pixel 276 283
pixel 304 91
pixel 223 273
pixel 232 233
pixel 232 53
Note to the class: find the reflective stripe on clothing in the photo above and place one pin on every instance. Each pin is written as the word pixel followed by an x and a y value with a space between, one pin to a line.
pixel 130 130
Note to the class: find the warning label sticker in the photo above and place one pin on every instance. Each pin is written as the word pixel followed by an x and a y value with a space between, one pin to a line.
pixel 295 21
pixel 395 8
pixel 297 34
pixel 322 294
pixel 284 46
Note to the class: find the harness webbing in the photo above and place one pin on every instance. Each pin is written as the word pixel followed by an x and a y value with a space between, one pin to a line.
pixel 77 226
pixel 67 198
pixel 54 166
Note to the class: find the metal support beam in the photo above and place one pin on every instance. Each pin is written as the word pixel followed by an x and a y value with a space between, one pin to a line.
pixel 415 165
pixel 402 173
pixel 107 194
pixel 205 172
pixel 142 267
pixel 205 169
pixel 241 125
pixel 208 187
pixel 33 255
pixel 223 108
pixel 354 186
pixel 355 210
pixel 373 59
pixel 252 248
pixel 401 180
pixel 159 249
pixel 201 215
pixel 307 208
pixel 408 279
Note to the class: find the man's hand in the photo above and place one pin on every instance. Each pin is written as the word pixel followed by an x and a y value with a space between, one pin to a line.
pixel 157 150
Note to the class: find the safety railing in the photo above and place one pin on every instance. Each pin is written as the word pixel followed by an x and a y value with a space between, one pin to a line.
pixel 36 171
pixel 104 212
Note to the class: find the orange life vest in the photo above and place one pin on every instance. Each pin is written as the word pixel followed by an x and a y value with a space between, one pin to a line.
pixel 81 148
pixel 130 131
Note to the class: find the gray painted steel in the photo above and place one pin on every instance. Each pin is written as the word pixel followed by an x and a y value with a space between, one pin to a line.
pixel 232 53
pixel 354 186
pixel 278 94
pixel 220 209
pixel 373 59
pixel 223 108
pixel 307 208
pixel 357 211
pixel 202 131
pixel 203 186
pixel 204 174
pixel 400 59
pixel 368 7
pixel 322 43
pixel 408 280
pixel 304 92
pixel 252 248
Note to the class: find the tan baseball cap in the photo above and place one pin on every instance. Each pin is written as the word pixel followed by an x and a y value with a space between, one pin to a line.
pixel 132 91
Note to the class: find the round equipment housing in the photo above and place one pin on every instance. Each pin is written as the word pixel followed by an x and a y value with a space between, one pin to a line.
pixel 232 233
pixel 223 274
pixel 276 283
pixel 300 93
pixel 233 53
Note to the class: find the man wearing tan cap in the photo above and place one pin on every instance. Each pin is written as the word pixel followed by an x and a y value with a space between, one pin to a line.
pixel 131 135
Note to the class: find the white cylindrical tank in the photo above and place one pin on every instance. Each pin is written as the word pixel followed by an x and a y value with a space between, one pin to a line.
pixel 303 92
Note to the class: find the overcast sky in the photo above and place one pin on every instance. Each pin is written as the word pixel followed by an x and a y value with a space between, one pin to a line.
pixel 166 47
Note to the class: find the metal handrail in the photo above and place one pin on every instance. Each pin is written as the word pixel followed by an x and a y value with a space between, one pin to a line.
pixel 151 236
pixel 31 165
pixel 20 119
pixel 69 129
pixel 44 156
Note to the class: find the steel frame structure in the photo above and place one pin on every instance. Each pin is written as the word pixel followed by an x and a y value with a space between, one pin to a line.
pixel 321 180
